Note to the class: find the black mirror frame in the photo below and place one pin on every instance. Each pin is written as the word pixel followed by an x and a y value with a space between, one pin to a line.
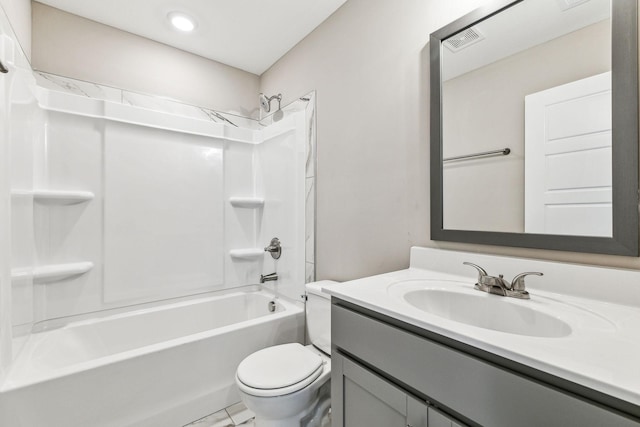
pixel 624 38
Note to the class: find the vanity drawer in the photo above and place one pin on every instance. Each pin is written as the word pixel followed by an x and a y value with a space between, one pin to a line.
pixel 482 392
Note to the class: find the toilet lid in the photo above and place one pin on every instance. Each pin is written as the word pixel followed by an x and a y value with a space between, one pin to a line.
pixel 279 367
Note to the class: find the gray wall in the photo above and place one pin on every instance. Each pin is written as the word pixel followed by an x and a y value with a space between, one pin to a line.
pixel 72 46
pixel 19 13
pixel 369 64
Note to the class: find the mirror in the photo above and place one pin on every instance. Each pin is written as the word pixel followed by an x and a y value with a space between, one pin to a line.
pixel 534 126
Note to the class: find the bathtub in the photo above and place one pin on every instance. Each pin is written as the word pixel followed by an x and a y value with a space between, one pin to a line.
pixel 158 366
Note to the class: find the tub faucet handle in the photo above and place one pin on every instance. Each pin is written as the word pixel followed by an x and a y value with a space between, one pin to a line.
pixel 274 248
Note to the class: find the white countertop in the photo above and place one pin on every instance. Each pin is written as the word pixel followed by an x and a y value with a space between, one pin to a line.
pixel 601 352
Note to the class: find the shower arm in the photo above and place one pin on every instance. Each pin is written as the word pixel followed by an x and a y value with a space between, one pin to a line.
pixel 266 101
pixel 277 97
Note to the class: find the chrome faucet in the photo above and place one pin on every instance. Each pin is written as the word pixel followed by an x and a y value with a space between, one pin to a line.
pixel 274 248
pixel 268 277
pixel 499 286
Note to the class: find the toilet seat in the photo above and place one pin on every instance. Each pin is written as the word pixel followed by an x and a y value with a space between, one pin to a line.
pixel 278 370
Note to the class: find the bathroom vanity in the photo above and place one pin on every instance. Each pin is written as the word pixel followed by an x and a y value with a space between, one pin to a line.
pixel 421 347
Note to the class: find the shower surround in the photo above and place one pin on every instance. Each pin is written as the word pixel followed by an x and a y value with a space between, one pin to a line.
pixel 124 209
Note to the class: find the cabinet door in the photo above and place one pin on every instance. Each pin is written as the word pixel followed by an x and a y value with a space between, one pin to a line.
pixel 438 419
pixel 417 413
pixel 370 401
pixel 360 398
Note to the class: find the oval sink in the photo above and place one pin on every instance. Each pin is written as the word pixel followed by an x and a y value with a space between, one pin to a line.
pixel 488 312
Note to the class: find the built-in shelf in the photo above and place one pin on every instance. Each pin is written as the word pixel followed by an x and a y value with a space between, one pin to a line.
pixel 56 197
pixel 246 254
pixel 53 197
pixel 53 272
pixel 246 202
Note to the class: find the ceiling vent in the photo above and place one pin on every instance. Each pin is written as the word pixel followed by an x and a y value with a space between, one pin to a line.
pixel 568 4
pixel 463 39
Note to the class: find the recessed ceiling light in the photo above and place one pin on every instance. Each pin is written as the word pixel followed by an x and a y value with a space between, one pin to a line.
pixel 182 21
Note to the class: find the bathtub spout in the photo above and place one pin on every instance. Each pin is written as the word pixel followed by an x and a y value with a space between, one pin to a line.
pixel 268 277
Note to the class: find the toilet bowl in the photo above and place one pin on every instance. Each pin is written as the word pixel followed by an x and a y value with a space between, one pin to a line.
pixel 288 385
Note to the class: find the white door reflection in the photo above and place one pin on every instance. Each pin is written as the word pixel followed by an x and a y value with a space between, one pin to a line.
pixel 568 159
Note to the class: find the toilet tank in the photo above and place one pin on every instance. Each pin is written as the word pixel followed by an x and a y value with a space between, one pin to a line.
pixel 318 309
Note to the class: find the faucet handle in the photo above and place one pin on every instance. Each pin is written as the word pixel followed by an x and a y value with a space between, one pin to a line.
pixel 517 284
pixel 481 272
pixel 274 248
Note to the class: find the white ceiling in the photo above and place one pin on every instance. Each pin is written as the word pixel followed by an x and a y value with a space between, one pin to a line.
pixel 247 34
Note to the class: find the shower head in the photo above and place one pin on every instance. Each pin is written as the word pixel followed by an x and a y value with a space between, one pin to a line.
pixel 265 101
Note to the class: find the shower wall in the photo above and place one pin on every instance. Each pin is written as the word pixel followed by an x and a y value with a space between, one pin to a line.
pixel 19 14
pixel 115 199
pixel 5 221
pixel 279 156
pixel 154 216
pixel 18 114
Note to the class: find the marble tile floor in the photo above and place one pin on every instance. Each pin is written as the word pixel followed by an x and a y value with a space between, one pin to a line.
pixel 234 415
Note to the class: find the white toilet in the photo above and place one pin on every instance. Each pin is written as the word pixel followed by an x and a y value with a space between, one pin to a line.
pixel 288 385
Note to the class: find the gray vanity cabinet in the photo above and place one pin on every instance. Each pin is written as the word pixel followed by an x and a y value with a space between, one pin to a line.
pixel 438 419
pixel 370 401
pixel 386 373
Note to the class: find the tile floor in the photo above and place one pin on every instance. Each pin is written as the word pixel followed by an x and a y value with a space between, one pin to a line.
pixel 234 415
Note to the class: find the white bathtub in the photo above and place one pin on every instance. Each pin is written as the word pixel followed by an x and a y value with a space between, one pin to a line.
pixel 161 366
